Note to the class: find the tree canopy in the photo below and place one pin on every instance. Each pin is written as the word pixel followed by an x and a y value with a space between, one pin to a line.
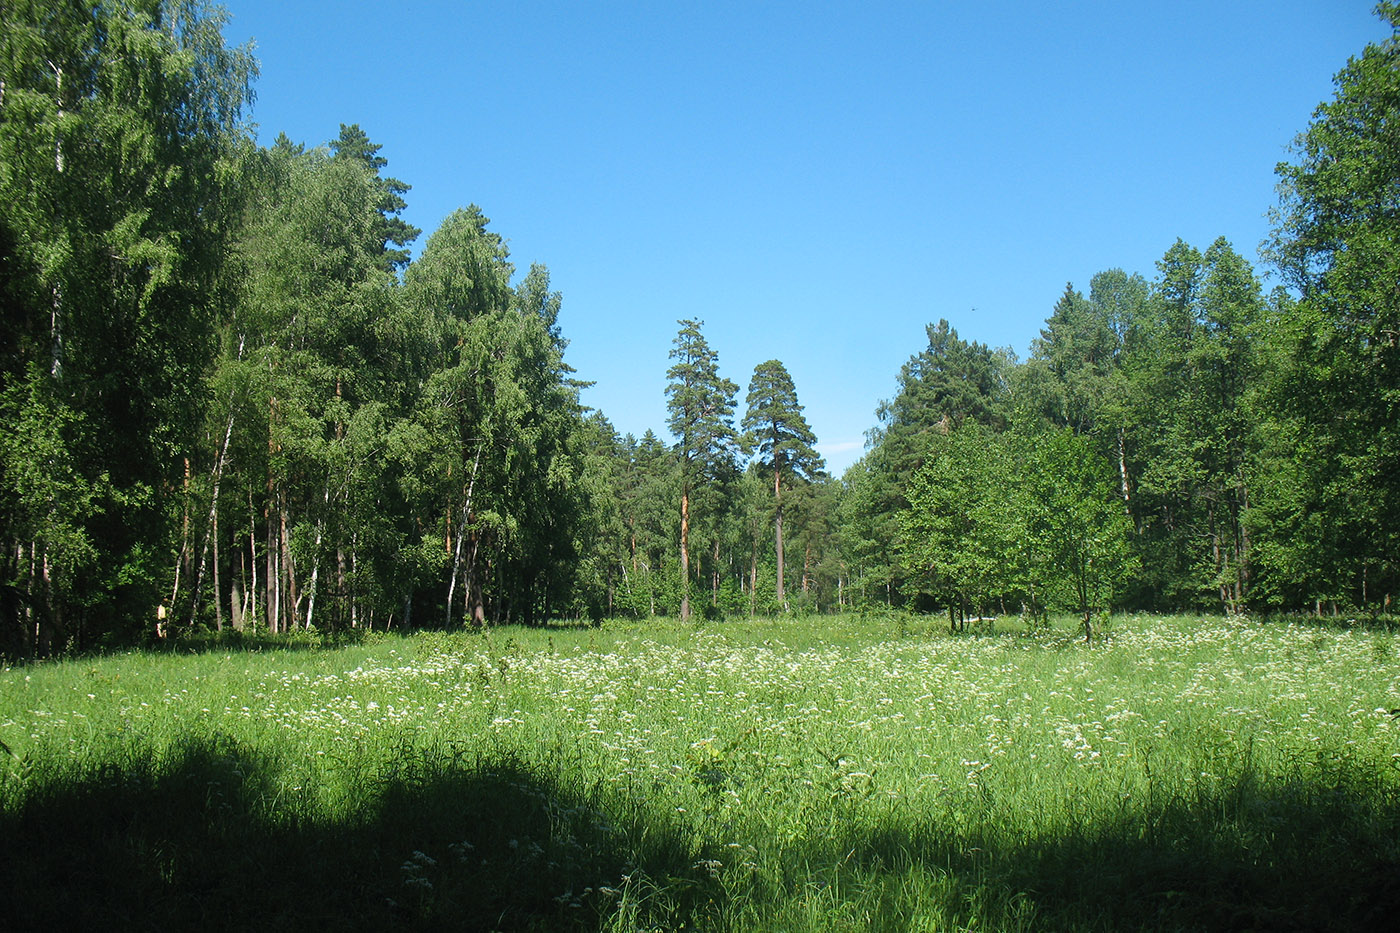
pixel 230 394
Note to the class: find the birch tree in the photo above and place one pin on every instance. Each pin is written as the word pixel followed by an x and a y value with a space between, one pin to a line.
pixel 117 122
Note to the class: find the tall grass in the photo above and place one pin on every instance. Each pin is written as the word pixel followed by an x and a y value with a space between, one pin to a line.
pixel 850 773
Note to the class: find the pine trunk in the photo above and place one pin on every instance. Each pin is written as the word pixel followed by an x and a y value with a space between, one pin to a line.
pixel 685 552
pixel 778 528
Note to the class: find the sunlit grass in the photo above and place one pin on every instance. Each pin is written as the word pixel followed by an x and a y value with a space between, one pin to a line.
pixel 847 773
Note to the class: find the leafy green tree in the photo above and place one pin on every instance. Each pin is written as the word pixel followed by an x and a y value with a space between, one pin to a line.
pixel 460 287
pixel 1299 499
pixel 940 387
pixel 754 505
pixel 604 572
pixel 813 508
pixel 505 418
pixel 552 488
pixel 1226 367
pixel 117 127
pixel 700 415
pixel 1030 514
pixel 1190 415
pixel 647 494
pixel 963 532
pixel 777 430
pixel 1074 517
pixel 1161 444
pixel 868 518
pixel 1122 300
pixel 298 369
pixel 949 382
pixel 1337 241
pixel 1082 369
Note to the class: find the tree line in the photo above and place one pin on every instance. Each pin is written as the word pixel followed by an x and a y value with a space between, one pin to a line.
pixel 230 396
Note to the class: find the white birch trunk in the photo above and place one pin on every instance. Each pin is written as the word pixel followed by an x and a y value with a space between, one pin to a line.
pixel 461 534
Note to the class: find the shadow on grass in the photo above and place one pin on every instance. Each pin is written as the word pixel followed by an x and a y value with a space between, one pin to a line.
pixel 1304 855
pixel 208 839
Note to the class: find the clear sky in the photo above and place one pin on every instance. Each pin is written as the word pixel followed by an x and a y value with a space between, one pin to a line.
pixel 815 181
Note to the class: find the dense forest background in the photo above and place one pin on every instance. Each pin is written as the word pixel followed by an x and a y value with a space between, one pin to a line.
pixel 229 397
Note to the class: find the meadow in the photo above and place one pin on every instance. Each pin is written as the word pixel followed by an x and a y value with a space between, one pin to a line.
pixel 846 773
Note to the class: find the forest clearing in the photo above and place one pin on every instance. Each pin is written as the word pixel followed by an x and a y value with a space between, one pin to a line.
pixel 329 599
pixel 836 772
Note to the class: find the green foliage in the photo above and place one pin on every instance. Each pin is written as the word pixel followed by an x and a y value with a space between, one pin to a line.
pixel 1029 518
pixel 117 131
pixel 1078 348
pixel 964 532
pixel 1335 241
pixel 778 433
pixel 949 382
pixel 868 516
pixel 353 145
pixel 50 497
pixel 1196 438
pixel 775 427
pixel 700 415
pixel 227 396
pixel 1078 530
pixel 700 407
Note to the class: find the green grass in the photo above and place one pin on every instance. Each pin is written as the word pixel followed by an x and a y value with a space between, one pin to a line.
pixel 825 774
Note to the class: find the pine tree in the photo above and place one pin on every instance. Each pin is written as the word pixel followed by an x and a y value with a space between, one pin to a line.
pixel 777 430
pixel 354 145
pixel 700 407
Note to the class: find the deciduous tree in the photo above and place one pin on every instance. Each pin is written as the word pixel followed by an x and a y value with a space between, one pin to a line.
pixel 1337 241
pixel 117 126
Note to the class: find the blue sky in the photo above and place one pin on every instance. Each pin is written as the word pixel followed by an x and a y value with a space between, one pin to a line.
pixel 815 181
